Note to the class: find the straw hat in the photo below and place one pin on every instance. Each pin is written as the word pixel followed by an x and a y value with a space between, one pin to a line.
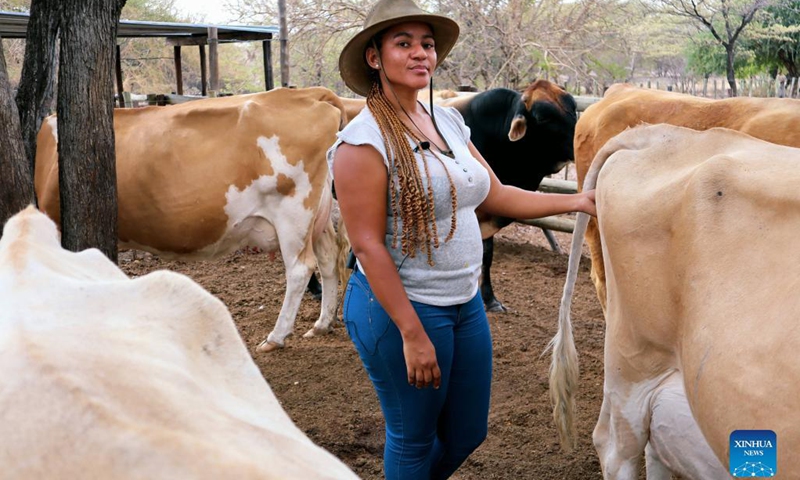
pixel 386 13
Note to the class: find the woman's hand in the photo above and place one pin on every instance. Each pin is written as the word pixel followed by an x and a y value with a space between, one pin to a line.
pixel 587 203
pixel 421 365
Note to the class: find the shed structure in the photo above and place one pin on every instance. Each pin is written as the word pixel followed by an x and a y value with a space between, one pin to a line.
pixel 15 25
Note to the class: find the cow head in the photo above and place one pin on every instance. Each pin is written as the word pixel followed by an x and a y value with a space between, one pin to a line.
pixel 549 113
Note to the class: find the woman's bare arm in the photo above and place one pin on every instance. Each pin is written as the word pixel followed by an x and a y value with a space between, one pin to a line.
pixel 361 188
pixel 513 202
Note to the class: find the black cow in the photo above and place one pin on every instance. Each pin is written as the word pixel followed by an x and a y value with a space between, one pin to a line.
pixel 524 137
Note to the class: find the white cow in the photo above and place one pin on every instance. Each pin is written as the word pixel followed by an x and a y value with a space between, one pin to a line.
pixel 700 242
pixel 109 377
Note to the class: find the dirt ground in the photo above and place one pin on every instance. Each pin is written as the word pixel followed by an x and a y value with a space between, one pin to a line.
pixel 325 390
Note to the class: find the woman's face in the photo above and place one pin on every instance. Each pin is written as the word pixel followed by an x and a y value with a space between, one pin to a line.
pixel 407 55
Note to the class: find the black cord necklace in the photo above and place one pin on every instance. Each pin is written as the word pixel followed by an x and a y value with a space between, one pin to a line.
pixel 426 145
pixel 421 144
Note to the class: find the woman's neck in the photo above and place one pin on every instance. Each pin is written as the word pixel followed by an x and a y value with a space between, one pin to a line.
pixel 402 99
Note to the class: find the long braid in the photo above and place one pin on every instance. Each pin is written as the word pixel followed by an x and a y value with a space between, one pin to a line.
pixel 411 200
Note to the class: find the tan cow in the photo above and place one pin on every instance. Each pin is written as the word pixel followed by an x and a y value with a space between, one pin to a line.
pixel 775 120
pixel 202 179
pixel 108 377
pixel 699 234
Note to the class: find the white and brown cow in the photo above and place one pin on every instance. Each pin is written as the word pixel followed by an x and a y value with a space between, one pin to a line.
pixel 202 179
pixel 699 234
pixel 146 378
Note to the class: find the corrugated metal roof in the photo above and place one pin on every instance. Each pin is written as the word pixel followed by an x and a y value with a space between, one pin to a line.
pixel 14 25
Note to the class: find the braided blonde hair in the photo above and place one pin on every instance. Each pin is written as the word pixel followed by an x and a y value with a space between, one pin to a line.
pixel 411 199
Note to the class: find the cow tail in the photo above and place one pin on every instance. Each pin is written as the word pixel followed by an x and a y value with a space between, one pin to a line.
pixel 564 369
pixel 342 252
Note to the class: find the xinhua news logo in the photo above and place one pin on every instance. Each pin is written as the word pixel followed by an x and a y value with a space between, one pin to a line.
pixel 754 453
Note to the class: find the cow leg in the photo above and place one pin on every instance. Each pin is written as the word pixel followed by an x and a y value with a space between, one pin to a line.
pixel 676 443
pixel 487 293
pixel 620 435
pixel 299 264
pixel 325 251
pixel 654 467
pixel 314 288
pixel 598 273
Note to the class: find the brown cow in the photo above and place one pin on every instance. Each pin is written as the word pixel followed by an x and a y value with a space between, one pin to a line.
pixel 624 106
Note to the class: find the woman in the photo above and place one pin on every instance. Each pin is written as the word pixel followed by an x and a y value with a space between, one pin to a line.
pixel 408 181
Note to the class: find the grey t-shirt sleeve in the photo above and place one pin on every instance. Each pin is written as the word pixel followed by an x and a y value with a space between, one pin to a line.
pixel 359 132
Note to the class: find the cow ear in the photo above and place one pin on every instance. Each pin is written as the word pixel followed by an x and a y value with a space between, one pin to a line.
pixel 518 128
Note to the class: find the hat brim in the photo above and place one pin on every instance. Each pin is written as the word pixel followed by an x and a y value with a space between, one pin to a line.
pixel 353 66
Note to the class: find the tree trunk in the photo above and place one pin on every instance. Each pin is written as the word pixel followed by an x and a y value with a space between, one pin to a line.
pixel 729 67
pixel 16 179
pixel 87 163
pixel 37 83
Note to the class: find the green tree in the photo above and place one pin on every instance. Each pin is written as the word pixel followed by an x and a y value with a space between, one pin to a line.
pixel 725 20
pixel 775 41
pixel 706 57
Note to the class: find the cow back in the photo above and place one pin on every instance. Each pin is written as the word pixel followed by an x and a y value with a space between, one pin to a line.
pixel 624 106
pixel 121 378
pixel 179 166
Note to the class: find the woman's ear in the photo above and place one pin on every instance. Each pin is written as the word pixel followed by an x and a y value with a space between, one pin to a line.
pixel 373 60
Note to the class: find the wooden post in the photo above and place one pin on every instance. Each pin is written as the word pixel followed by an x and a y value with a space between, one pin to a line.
pixel 213 62
pixel 178 71
pixel 120 88
pixel 284 32
pixel 269 82
pixel 203 71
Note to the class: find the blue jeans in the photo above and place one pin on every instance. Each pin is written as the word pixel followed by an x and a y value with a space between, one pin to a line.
pixel 429 433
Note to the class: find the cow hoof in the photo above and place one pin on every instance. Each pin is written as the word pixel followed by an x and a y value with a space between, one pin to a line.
pixel 496 307
pixel 267 347
pixel 314 332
